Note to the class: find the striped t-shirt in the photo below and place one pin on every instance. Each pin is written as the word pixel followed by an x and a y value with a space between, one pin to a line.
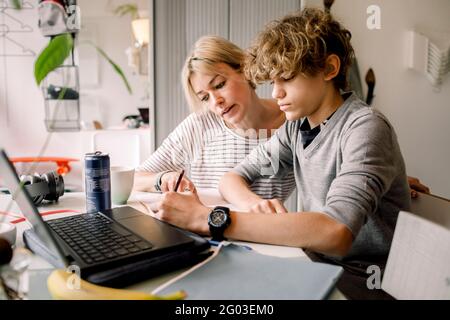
pixel 206 148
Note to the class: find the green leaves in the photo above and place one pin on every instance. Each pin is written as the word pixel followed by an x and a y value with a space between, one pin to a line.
pixel 17 4
pixel 127 9
pixel 58 50
pixel 52 56
pixel 113 64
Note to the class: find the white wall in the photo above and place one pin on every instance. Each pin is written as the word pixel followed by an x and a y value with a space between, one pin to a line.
pixel 114 35
pixel 420 115
pixel 22 129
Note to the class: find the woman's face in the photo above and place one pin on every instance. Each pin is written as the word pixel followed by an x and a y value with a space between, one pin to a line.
pixel 226 93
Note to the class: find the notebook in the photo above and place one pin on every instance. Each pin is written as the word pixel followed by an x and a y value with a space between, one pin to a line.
pixel 238 273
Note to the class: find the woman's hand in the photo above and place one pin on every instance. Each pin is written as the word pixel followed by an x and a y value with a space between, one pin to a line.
pixel 415 185
pixel 169 182
pixel 184 210
pixel 269 206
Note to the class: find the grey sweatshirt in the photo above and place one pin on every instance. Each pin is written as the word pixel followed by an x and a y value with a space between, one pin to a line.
pixel 353 171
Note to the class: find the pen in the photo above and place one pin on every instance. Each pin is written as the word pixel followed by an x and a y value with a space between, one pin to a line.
pixel 179 180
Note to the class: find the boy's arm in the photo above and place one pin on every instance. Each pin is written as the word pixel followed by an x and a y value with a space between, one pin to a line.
pixel 371 161
pixel 244 198
pixel 236 190
pixel 268 159
pixel 309 230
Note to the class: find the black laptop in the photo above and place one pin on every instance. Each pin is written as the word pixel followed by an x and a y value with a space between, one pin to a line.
pixel 114 247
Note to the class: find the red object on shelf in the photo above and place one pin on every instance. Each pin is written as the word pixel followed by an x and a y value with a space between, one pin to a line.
pixel 62 163
pixel 21 219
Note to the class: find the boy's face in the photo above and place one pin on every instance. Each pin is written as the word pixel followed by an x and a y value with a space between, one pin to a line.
pixel 300 96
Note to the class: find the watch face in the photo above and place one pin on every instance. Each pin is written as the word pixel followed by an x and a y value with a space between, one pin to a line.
pixel 218 218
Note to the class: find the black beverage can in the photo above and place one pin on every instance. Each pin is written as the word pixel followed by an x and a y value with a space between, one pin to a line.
pixel 98 181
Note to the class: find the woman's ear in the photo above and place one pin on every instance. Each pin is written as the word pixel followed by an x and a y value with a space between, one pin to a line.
pixel 332 67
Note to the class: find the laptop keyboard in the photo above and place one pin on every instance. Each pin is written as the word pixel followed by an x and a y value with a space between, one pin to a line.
pixel 97 239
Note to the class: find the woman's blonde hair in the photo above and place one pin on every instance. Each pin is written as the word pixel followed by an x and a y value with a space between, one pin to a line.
pixel 207 52
pixel 299 43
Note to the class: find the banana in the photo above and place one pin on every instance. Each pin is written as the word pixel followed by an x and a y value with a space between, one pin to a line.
pixel 63 285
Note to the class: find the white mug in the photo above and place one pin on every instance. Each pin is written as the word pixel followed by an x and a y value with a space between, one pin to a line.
pixel 122 179
pixel 8 231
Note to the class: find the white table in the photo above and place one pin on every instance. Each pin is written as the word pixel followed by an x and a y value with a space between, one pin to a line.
pixel 76 201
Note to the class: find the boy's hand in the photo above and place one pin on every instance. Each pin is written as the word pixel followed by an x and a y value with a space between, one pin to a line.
pixel 184 210
pixel 269 206
pixel 169 181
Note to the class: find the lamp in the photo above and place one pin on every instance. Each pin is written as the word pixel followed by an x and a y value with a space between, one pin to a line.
pixel 137 55
pixel 141 31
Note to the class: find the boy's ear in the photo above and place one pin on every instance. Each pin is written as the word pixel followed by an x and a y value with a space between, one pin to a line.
pixel 332 67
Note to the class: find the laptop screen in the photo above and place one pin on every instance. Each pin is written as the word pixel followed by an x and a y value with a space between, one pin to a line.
pixel 20 195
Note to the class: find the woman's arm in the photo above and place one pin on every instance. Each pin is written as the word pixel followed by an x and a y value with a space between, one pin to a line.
pixel 171 157
pixel 416 186
pixel 144 181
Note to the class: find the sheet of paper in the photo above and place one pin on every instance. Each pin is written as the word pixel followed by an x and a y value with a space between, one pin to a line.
pixel 418 266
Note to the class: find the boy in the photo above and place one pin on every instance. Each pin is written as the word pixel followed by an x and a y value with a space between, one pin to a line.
pixel 349 171
pixel 345 156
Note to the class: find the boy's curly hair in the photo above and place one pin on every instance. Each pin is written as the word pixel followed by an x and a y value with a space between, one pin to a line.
pixel 299 43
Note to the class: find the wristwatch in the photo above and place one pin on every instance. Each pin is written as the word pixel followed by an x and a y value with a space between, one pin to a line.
pixel 218 220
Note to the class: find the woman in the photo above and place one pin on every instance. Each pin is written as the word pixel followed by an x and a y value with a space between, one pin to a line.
pixel 228 121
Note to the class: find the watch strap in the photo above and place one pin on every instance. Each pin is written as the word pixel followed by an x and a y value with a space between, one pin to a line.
pixel 158 180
